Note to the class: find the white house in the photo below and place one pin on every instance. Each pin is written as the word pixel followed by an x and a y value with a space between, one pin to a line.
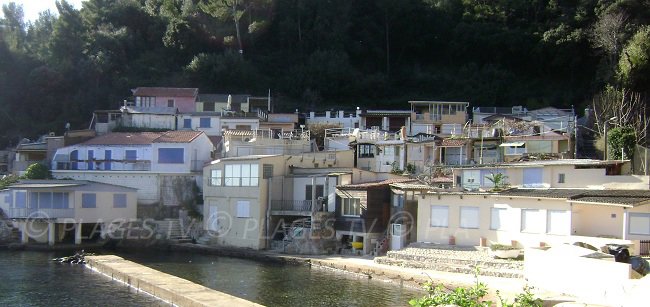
pixel 535 217
pixel 148 161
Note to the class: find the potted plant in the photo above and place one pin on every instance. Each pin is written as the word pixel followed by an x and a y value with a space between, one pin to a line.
pixel 504 251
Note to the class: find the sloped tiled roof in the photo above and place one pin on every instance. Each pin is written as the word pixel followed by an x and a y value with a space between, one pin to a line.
pixel 166 92
pixel 619 197
pixel 372 184
pixel 453 142
pixel 144 138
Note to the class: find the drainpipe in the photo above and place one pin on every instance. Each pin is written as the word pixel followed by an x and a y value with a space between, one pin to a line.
pixel 268 213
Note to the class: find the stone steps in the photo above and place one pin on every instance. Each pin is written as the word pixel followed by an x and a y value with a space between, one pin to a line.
pixel 450 267
pixel 448 260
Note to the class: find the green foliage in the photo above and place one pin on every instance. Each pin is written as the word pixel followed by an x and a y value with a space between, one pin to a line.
pixel 498 180
pixel 621 138
pixel 634 65
pixel 523 299
pixel 410 168
pixel 315 54
pixel 8 180
pixel 37 171
pixel 438 295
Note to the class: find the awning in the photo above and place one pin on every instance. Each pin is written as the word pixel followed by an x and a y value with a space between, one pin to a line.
pixel 512 144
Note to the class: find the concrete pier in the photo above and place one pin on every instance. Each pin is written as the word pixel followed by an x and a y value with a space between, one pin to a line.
pixel 172 289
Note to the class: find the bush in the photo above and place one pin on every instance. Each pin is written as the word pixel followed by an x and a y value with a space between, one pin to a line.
pixel 37 171
pixel 502 247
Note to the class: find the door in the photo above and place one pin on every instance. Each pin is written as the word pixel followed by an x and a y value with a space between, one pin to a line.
pixel 397 238
pixel 108 156
pixel 213 223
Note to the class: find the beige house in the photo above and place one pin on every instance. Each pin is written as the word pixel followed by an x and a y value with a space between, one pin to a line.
pixel 239 192
pixel 56 211
pixel 565 173
pixel 534 217
pixel 437 117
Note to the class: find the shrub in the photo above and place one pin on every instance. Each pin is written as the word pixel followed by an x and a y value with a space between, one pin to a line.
pixel 502 247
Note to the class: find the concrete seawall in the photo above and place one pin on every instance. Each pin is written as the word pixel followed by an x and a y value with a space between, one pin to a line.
pixel 169 288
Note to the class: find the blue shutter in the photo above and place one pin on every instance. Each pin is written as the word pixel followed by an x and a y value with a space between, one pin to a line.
pixel 187 123
pixel 170 155
pixel 533 177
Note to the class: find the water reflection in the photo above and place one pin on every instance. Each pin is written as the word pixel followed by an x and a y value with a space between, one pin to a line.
pixel 277 284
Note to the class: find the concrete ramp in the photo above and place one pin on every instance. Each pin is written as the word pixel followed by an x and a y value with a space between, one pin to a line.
pixel 169 288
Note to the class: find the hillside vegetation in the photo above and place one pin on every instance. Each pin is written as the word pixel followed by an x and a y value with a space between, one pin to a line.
pixel 313 54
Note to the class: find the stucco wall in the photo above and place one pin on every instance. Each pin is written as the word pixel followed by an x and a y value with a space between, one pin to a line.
pixel 146 183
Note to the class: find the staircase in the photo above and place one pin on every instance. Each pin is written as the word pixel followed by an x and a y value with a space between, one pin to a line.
pixel 6 223
pixel 172 230
pixel 453 259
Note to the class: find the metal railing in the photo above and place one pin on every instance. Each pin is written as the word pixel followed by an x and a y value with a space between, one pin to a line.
pixel 113 165
pixel 17 213
pixel 291 205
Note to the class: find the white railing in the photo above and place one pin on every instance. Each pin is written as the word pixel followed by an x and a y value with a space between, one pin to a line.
pixel 17 213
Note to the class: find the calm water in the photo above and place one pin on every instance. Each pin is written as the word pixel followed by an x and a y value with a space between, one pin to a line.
pixel 29 279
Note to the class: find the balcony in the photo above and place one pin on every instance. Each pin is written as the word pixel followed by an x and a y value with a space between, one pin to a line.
pixel 102 165
pixel 291 207
pixel 33 213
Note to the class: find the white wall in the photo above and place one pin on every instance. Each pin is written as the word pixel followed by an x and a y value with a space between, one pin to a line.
pixel 147 184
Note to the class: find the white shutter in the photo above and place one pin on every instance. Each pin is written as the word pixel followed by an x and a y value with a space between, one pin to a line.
pixel 639 224
pixel 558 222
pixel 498 218
pixel 532 221
pixel 243 208
pixel 469 217
pixel 439 216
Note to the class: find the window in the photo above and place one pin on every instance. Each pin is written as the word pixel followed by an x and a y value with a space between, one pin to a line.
pixel 498 218
pixel 215 177
pixel 245 175
pixel 187 123
pixel 515 150
pixel 639 224
pixel 21 199
pixel 319 191
pixel 131 155
pixel 558 222
pixel 170 103
pixel 532 221
pixel 469 217
pixel 119 200
pixel 439 216
pixel 351 207
pixel 243 127
pixel 366 151
pixel 170 155
pixel 88 200
pixel 398 200
pixel 243 208
pixel 533 177
pixel 208 106
pixel 204 122
pixel 560 178
pixel 60 200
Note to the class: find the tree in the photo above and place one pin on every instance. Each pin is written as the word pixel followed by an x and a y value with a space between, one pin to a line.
pixel 625 107
pixel 608 34
pixel 13 26
pixel 621 141
pixel 634 65
pixel 37 171
pixel 234 10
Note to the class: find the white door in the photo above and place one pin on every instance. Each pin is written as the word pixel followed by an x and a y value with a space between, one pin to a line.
pixel 397 237
pixel 213 224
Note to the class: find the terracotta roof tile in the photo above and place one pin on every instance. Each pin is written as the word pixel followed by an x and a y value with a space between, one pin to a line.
pixel 143 138
pixel 166 92
pixel 178 136
pixel 453 142
pixel 365 185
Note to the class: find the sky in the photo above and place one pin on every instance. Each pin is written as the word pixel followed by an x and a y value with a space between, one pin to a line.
pixel 31 8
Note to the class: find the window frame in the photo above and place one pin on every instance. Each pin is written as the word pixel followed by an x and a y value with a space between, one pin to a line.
pixel 445 221
pixel 351 207
pixel 632 215
pixel 171 159
pixel 530 228
pixel 120 204
pixel 205 122
pixel 478 217
pixel 216 178
pixel 86 197
pixel 501 226
pixel 187 123
pixel 243 209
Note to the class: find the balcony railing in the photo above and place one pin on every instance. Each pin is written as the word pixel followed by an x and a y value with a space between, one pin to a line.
pixel 113 165
pixel 18 213
pixel 291 205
